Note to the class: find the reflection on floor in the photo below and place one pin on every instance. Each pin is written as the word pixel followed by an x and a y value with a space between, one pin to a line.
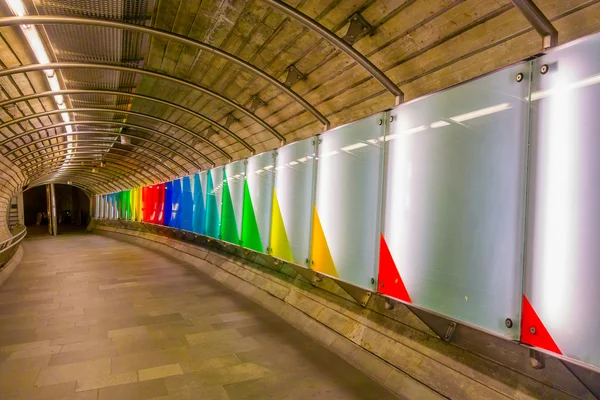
pixel 87 317
pixel 42 230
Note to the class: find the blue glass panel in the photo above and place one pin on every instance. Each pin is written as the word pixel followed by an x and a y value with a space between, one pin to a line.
pixel 187 205
pixel 168 192
pixel 176 204
pixel 199 209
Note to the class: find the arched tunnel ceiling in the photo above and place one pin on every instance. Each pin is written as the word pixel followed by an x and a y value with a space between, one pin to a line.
pixel 161 88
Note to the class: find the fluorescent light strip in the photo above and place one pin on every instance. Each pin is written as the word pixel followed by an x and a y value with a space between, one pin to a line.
pixel 292 163
pixel 592 80
pixel 354 146
pixel 481 113
pixel 439 124
pixel 331 153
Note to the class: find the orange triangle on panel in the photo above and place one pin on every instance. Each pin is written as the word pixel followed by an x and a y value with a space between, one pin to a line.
pixel 389 280
pixel 321 256
pixel 533 331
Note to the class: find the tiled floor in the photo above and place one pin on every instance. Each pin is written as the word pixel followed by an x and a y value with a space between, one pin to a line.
pixel 87 317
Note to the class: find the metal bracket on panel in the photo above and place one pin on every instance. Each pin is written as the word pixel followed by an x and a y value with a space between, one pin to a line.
pixel 293 76
pixel 536 359
pixel 257 102
pixel 358 28
pixel 307 274
pixel 210 132
pixel 230 120
pixel 588 377
pixel 361 295
pixel 436 323
pixel 449 331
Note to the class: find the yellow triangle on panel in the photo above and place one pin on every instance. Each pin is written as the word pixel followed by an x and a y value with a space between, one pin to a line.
pixel 321 256
pixel 280 246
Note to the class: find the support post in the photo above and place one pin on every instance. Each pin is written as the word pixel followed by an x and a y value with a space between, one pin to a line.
pixel 53 220
pixel 20 209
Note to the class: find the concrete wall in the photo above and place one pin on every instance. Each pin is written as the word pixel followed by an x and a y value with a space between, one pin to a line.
pixel 11 182
pixel 395 346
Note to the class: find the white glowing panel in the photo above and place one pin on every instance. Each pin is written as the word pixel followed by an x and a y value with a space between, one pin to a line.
pixel 454 202
pixel 345 232
pixel 562 274
pixel 292 202
pixel 258 196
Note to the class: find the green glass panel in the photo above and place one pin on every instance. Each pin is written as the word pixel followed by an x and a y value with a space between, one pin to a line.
pixel 229 231
pixel 250 232
pixel 213 221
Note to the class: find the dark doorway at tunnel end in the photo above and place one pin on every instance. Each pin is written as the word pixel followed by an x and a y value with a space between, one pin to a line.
pixel 72 209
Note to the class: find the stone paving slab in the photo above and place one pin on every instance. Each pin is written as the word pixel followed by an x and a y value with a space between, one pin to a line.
pixel 88 317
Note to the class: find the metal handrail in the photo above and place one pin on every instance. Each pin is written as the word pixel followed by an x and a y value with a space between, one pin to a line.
pixel 7 247
pixel 23 232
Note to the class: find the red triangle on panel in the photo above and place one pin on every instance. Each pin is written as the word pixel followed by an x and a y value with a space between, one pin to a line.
pixel 389 280
pixel 533 331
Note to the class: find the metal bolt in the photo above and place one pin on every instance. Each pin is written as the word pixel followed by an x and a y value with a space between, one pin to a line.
pixel 532 330
pixel 391 118
pixel 372 281
pixel 380 122
pixel 520 77
pixel 544 69
pixel 508 322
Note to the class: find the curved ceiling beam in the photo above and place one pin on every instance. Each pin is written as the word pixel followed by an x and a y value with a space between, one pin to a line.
pixel 117 111
pixel 77 170
pixel 116 123
pixel 87 160
pixel 117 159
pixel 100 122
pixel 146 167
pixel 132 95
pixel 60 20
pixel 84 188
pixel 130 179
pixel 339 44
pixel 103 155
pixel 111 67
pixel 113 172
pixel 158 159
pixel 100 181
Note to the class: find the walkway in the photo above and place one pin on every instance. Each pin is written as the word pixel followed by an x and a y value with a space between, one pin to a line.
pixel 87 317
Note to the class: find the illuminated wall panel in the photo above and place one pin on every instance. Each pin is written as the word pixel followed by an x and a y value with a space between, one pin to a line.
pixel 258 196
pixel 168 203
pixel 562 274
pixel 233 201
pixel 346 215
pixel 292 202
pixel 199 195
pixel 176 193
pixel 214 195
pixel 187 204
pixel 454 201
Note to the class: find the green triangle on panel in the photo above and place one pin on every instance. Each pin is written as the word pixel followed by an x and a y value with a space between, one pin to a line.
pixel 229 232
pixel 280 245
pixel 212 212
pixel 250 232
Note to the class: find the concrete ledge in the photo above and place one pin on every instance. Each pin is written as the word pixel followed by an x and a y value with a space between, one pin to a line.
pixel 12 264
pixel 393 346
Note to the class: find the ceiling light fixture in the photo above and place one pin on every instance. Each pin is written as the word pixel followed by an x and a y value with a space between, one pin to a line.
pixel 39 50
